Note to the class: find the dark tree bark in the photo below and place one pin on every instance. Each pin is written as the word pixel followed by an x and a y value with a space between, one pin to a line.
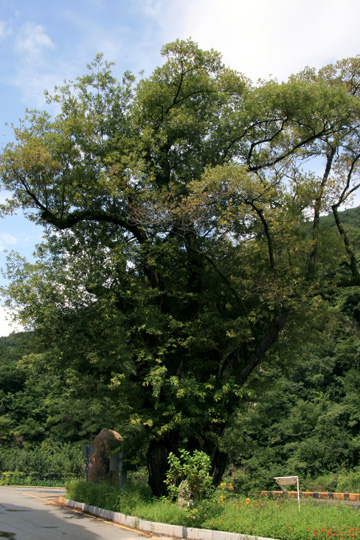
pixel 219 461
pixel 157 465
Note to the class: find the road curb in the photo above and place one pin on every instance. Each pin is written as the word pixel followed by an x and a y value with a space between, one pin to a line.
pixel 152 527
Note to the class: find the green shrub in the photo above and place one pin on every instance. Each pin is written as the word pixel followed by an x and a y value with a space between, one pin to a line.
pixel 324 482
pixel 133 495
pixel 193 470
pixel 12 478
pixel 100 494
pixel 40 465
pixel 348 481
pixel 342 481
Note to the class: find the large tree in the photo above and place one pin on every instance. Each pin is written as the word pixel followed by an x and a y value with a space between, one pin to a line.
pixel 176 248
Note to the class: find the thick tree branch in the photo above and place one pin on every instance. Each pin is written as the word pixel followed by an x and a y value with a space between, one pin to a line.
pixel 353 264
pixel 345 193
pixel 317 209
pixel 270 338
pixel 92 215
pixel 260 213
pixel 271 163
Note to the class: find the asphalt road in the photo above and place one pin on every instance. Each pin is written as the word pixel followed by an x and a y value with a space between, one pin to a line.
pixel 32 514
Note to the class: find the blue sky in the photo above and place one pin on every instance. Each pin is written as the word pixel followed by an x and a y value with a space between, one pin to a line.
pixel 43 43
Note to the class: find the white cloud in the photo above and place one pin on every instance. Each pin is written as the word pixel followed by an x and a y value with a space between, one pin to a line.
pixel 6 240
pixel 32 40
pixel 260 38
pixel 34 70
pixel 170 16
pixel 5 30
pixel 2 29
pixel 4 196
pixel 32 83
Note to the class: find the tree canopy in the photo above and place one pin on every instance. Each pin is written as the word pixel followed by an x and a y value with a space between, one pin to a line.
pixel 182 236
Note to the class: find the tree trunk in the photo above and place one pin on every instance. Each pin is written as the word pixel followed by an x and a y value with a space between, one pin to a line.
pixel 157 465
pixel 218 465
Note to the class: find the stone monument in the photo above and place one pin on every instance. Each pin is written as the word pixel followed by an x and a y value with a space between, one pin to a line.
pixel 105 444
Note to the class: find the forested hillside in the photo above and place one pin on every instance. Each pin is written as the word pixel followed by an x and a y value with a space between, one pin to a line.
pixel 36 407
pixel 302 415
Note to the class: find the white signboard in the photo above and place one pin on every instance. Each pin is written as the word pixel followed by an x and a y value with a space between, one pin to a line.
pixel 286 480
pixel 289 481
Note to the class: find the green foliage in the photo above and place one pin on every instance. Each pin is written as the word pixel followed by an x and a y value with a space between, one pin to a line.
pixel 47 463
pixel 189 472
pixel 178 261
pixel 250 516
pixel 102 495
pixel 305 420
pixel 282 519
pixel 343 481
pixel 38 405
pixel 134 494
pixel 348 481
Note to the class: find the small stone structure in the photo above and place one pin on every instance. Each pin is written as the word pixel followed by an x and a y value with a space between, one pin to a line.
pixel 184 496
pixel 104 444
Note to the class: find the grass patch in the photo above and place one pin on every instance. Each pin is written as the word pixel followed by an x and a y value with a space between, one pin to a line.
pixel 282 519
pixel 226 511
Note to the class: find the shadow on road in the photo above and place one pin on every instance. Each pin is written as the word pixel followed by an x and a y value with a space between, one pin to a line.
pixel 21 522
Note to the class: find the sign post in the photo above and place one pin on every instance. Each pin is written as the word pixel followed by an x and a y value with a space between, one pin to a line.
pixel 87 452
pixel 288 481
pixel 117 464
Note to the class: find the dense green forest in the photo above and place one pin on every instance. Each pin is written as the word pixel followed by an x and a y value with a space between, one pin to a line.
pixel 184 267
pixel 303 413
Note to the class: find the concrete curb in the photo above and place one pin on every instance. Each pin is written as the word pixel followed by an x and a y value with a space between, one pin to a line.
pixel 150 527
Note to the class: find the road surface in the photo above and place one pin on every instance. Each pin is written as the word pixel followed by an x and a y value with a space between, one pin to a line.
pixel 32 514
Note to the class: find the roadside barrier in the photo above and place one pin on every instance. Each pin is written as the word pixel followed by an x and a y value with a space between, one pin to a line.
pixel 314 495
